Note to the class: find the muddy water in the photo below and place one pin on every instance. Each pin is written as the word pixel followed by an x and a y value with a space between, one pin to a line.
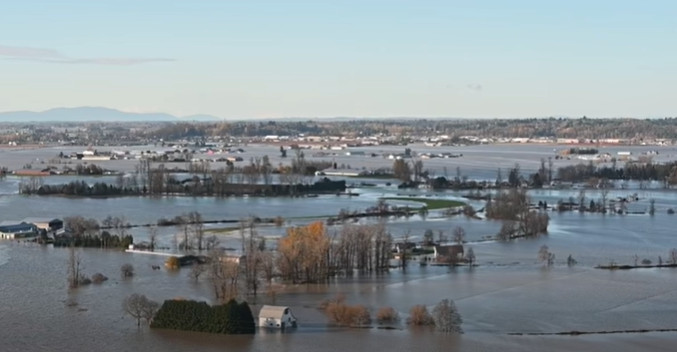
pixel 494 300
pixel 510 292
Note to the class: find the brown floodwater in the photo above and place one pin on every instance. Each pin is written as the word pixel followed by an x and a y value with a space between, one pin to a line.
pixel 38 313
pixel 510 292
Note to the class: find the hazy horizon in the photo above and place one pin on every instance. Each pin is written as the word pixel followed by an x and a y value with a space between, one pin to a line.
pixel 80 111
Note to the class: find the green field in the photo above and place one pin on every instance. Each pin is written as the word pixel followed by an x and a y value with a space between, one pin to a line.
pixel 431 204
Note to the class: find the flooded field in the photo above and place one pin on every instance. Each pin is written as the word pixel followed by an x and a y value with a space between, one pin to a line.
pixel 509 292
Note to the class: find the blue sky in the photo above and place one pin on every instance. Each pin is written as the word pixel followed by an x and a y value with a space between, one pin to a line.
pixel 376 58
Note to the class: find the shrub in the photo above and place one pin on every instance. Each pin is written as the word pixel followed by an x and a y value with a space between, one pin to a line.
pixel 361 315
pixel 172 263
pixel 387 315
pixel 98 278
pixel 469 211
pixel 419 316
pixel 140 307
pixel 343 314
pixel 84 280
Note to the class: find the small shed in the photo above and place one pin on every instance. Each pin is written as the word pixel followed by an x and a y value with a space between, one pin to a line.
pixel 276 317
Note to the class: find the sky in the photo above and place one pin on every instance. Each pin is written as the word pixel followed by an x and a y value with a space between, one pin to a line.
pixel 343 58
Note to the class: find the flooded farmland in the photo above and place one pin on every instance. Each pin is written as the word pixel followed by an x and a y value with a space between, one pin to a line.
pixel 510 292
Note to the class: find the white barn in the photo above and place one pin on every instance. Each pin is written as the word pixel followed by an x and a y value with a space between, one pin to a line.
pixel 276 317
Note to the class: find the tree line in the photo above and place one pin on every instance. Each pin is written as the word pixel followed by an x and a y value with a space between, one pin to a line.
pixel 584 128
pixel 666 173
pixel 164 183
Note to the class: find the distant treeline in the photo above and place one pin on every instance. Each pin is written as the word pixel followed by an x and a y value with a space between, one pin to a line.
pixel 81 188
pixel 666 173
pixel 581 128
pixel 194 187
pixel 583 151
pixel 635 131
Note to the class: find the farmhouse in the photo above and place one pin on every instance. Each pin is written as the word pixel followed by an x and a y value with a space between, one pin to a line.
pixel 47 224
pixel 16 229
pixel 276 317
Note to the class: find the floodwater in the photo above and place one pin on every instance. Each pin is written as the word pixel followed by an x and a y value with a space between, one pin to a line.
pixel 509 292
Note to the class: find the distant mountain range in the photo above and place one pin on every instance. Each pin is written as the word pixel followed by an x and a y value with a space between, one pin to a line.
pixel 90 114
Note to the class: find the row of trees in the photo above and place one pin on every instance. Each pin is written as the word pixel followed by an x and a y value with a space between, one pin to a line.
pixel 666 173
pixel 160 181
pixel 77 188
pixel 308 254
pixel 305 254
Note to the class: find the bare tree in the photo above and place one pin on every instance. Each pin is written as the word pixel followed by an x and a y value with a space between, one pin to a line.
pixel 152 237
pixel 544 255
pixel 672 256
pixel 74 267
pixel 266 170
pixel 499 177
pixel 604 186
pixel 119 225
pixel 224 275
pixel 441 237
pixel 470 256
pixel 183 223
pixel 197 228
pixel 196 271
pixel 459 235
pixel 140 307
pixel 268 267
pixel 507 231
pixel 252 253
pixel 418 170
pixel 403 255
pixel 78 226
pixel 212 242
pixel 447 318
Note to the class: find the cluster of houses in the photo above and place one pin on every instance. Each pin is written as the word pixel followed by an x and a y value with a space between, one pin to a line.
pixel 29 228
